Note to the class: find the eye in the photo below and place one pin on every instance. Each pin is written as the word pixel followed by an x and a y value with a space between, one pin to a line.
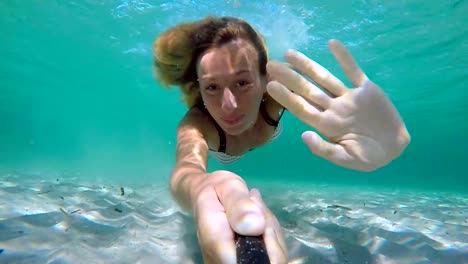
pixel 242 83
pixel 211 87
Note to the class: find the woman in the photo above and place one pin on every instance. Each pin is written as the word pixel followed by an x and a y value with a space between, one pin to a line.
pixel 236 98
pixel 231 115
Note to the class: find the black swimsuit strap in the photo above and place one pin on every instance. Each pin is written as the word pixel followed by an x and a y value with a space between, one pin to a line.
pixel 267 117
pixel 221 134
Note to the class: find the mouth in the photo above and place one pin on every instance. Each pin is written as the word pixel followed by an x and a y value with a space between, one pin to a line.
pixel 232 120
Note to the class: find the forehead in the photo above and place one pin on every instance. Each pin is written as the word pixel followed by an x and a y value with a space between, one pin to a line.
pixel 230 58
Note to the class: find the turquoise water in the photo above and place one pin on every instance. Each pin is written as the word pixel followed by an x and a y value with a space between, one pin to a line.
pixel 78 97
pixel 82 117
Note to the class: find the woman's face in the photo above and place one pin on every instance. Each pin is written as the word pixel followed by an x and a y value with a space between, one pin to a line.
pixel 231 86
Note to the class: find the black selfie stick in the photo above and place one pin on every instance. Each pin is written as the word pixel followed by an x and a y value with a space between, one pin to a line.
pixel 251 250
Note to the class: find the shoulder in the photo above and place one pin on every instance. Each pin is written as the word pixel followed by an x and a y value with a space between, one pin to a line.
pixel 193 117
pixel 198 121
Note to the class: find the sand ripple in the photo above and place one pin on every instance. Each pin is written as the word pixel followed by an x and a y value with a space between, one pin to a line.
pixel 61 221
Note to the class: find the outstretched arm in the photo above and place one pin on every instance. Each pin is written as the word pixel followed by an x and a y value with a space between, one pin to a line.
pixel 191 159
pixel 220 201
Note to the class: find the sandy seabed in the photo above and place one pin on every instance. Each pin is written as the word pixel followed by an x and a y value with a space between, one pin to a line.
pixel 68 221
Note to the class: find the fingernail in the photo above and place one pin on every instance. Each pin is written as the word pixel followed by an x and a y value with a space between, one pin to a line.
pixel 273 85
pixel 256 192
pixel 307 137
pixel 250 224
pixel 290 52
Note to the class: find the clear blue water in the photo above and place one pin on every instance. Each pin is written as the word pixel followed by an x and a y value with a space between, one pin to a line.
pixel 78 94
pixel 78 101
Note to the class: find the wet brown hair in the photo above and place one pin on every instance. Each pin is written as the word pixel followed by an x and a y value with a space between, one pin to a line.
pixel 177 50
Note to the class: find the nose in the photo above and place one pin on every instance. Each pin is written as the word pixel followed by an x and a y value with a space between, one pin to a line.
pixel 229 103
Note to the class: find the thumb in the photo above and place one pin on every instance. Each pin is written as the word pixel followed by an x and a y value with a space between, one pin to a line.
pixel 273 237
pixel 246 218
pixel 322 148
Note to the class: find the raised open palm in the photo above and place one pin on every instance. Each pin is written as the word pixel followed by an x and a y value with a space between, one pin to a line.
pixel 361 126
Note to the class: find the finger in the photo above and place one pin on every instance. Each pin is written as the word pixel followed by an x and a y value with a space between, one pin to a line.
pixel 244 216
pixel 298 84
pixel 316 72
pixel 322 148
pixel 273 237
pixel 347 62
pixel 295 104
pixel 271 77
pixel 271 219
pixel 214 232
pixel 285 64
